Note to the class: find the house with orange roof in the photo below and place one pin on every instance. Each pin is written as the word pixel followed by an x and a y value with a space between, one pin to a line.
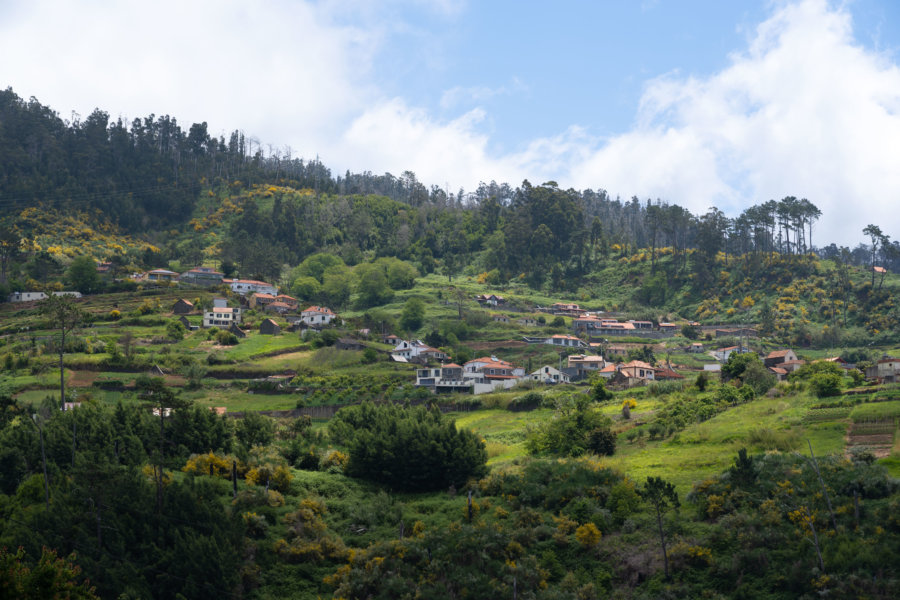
pixel 666 373
pixel 492 368
pixel 249 286
pixel 584 365
pixel 777 357
pixel 317 316
pixel 279 307
pixel 566 341
pixel 261 300
pixel 289 300
pixel 780 373
pixel 446 378
pixel 183 307
pixel 638 370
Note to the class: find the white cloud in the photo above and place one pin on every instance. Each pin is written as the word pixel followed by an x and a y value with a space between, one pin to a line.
pixel 279 71
pixel 805 111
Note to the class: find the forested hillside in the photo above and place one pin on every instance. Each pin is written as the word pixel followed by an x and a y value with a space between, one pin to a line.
pixel 150 194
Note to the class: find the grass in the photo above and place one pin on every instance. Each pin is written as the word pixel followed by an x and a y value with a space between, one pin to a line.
pixel 698 452
pixel 876 410
pixel 502 430
pixel 255 344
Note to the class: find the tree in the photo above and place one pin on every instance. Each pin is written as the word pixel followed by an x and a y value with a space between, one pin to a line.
pixel 372 285
pixel 51 577
pixel 337 284
pixel 878 238
pixel 598 389
pixel 255 430
pixel 82 274
pixel 691 332
pixel 175 330
pixel 65 316
pixel 576 428
pixel 413 449
pixel 10 248
pixel 662 497
pixel 825 384
pixel 413 314
pixel 757 376
pixel 734 367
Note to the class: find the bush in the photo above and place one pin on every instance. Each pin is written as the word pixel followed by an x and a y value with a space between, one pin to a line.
pixel 226 338
pixel 574 430
pixel 588 535
pixel 824 385
pixel 413 449
pixel 175 331
pixel 529 401
pixel 255 430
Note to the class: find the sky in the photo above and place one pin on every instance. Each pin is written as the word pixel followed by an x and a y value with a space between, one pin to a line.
pixel 696 102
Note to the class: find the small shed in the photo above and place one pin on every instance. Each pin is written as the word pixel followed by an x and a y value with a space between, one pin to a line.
pixel 347 343
pixel 237 331
pixel 269 327
pixel 183 307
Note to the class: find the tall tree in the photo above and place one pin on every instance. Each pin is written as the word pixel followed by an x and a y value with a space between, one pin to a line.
pixel 662 497
pixel 878 238
pixel 65 316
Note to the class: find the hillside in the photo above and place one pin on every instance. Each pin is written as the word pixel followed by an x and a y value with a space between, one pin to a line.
pixel 679 453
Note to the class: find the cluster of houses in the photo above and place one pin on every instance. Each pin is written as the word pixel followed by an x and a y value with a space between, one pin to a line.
pixel 206 277
pixel 227 317
pixel 489 373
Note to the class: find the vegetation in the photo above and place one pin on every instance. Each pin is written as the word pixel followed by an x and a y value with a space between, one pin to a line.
pixel 407 449
pixel 331 475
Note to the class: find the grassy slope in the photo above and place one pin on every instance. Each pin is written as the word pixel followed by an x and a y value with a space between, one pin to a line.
pixel 698 452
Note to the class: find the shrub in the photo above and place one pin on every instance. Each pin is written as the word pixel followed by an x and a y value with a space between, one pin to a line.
pixel 226 338
pixel 825 384
pixel 175 330
pixel 255 430
pixel 413 449
pixel 575 429
pixel 529 401
pixel 588 535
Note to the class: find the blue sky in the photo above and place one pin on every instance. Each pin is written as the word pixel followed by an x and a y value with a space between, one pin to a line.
pixel 726 103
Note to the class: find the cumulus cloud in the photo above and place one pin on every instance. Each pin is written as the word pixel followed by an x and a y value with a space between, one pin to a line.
pixel 804 111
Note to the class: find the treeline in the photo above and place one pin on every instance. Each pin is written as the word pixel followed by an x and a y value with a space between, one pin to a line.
pixel 147 175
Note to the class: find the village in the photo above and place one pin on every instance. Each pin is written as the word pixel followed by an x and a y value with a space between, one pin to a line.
pixel 589 351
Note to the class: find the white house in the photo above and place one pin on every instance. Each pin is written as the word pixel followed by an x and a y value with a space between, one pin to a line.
pixel 492 368
pixel 27 296
pixel 722 354
pixel 567 341
pixel 586 364
pixel 548 374
pixel 317 316
pixel 446 378
pixel 249 286
pixel 417 348
pixel 222 316
pixel 32 296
